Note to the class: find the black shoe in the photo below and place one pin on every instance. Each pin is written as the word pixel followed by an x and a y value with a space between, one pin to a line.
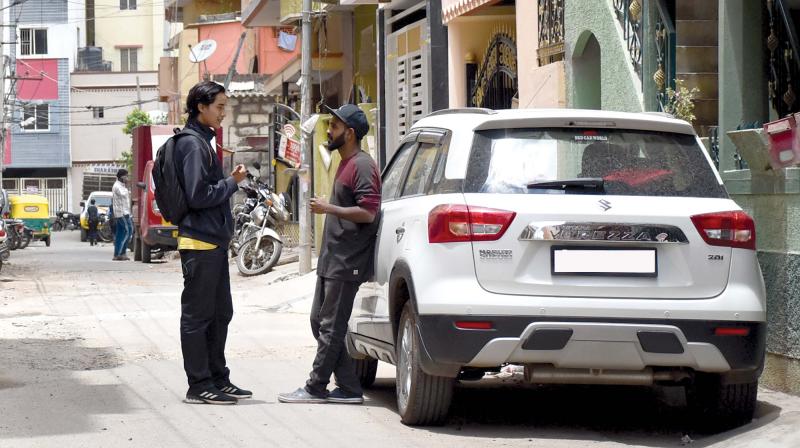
pixel 340 396
pixel 209 395
pixel 233 391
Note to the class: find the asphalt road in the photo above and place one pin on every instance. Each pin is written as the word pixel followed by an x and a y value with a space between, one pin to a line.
pixel 90 357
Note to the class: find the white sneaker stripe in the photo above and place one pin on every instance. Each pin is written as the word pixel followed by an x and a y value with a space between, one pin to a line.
pixel 205 394
pixel 213 396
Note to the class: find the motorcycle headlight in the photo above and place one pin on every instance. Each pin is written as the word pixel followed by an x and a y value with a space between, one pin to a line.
pixel 258 215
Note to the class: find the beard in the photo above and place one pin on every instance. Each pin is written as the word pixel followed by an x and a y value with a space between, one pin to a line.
pixel 336 143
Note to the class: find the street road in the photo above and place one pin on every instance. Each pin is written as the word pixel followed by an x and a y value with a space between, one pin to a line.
pixel 90 357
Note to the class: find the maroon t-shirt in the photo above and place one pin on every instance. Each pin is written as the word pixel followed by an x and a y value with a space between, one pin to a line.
pixel 348 248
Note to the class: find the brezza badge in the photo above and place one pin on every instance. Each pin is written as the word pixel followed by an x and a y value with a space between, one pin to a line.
pixel 609 232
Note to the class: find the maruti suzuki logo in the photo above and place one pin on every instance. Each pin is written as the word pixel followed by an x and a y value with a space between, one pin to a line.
pixel 605 205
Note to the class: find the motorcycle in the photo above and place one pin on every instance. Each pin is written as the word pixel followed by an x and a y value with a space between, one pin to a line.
pixel 19 236
pixel 5 253
pixel 258 245
pixel 104 232
pixel 66 221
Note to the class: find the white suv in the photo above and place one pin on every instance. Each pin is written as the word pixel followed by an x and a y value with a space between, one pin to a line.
pixel 591 247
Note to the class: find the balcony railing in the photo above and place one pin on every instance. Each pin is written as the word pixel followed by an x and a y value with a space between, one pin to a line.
pixel 784 58
pixel 664 76
pixel 629 14
pixel 551 31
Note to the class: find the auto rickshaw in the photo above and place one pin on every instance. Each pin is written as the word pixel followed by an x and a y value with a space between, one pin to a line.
pixel 35 211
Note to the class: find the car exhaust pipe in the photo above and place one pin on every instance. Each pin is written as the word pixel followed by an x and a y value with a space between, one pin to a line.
pixel 543 374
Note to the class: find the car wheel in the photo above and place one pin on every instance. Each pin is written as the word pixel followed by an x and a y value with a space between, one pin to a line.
pixel 717 406
pixel 422 399
pixel 146 252
pixel 84 235
pixel 47 241
pixel 366 370
pixel 137 248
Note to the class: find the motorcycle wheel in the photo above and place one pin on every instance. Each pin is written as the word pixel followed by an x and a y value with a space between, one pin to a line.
pixel 13 240
pixel 256 261
pixel 104 232
pixel 57 226
pixel 25 240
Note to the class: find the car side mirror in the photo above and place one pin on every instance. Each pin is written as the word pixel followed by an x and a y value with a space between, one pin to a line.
pixel 141 185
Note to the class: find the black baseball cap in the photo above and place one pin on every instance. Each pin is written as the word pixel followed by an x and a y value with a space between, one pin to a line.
pixel 353 117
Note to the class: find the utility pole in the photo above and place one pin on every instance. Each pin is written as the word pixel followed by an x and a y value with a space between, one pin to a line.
pixel 138 94
pixel 304 174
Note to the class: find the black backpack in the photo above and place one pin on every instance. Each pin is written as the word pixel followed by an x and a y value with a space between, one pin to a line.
pixel 169 193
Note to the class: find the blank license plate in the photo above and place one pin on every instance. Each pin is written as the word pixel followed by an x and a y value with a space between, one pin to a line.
pixel 639 262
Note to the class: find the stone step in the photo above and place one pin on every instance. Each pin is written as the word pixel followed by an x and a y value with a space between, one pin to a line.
pixel 696 9
pixel 697 59
pixel 708 83
pixel 694 33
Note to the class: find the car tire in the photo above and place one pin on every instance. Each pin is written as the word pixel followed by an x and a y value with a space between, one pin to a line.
pixel 366 370
pixel 146 252
pixel 47 241
pixel 84 235
pixel 422 399
pixel 719 407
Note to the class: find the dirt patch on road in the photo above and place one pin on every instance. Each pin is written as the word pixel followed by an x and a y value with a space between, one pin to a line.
pixel 57 354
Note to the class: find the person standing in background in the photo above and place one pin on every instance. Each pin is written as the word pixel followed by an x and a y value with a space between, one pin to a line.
pixel 121 202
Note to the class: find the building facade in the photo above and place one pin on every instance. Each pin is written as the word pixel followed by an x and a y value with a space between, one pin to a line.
pixel 42 50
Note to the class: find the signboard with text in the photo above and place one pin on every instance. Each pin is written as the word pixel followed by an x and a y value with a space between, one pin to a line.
pixel 289 149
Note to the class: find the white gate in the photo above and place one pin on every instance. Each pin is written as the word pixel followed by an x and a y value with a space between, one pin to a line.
pixel 407 71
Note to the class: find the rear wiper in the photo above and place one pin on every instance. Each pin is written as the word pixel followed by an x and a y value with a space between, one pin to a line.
pixel 587 183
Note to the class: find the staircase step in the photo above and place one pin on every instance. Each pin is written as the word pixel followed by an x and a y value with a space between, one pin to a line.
pixel 691 33
pixel 708 83
pixel 697 59
pixel 695 9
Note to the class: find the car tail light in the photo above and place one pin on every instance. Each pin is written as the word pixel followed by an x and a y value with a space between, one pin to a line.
pixel 473 325
pixel 729 229
pixel 451 223
pixel 2 232
pixel 731 331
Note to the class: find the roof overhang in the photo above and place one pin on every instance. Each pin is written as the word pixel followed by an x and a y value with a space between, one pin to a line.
pixel 262 13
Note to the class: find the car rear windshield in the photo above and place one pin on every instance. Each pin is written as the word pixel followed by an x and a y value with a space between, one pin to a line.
pixel 619 162
pixel 102 201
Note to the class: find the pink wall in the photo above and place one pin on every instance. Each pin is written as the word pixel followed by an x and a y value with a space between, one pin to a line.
pixel 271 58
pixel 7 153
pixel 45 86
pixel 227 37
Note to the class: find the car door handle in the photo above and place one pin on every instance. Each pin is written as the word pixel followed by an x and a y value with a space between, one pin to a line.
pixel 400 230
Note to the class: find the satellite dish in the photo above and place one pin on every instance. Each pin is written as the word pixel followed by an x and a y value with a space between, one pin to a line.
pixel 202 51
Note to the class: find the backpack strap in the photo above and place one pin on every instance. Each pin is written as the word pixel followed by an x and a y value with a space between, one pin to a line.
pixel 187 131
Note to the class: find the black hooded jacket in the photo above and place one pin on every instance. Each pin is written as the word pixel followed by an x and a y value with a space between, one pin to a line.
pixel 208 190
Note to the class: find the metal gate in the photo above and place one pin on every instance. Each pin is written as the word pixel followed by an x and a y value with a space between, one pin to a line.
pixel 53 188
pixel 496 83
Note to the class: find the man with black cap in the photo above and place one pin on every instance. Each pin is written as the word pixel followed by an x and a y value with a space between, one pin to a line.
pixel 346 259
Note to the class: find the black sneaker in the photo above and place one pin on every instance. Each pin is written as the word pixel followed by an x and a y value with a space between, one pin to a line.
pixel 233 391
pixel 209 395
pixel 340 396
pixel 301 395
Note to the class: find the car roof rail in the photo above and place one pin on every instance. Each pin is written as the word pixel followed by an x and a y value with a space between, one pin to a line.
pixel 463 110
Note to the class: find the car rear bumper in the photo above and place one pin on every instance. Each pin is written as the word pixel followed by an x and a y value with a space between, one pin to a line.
pixel 162 236
pixel 586 343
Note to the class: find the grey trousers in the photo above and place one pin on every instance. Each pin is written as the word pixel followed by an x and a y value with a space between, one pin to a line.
pixel 333 304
